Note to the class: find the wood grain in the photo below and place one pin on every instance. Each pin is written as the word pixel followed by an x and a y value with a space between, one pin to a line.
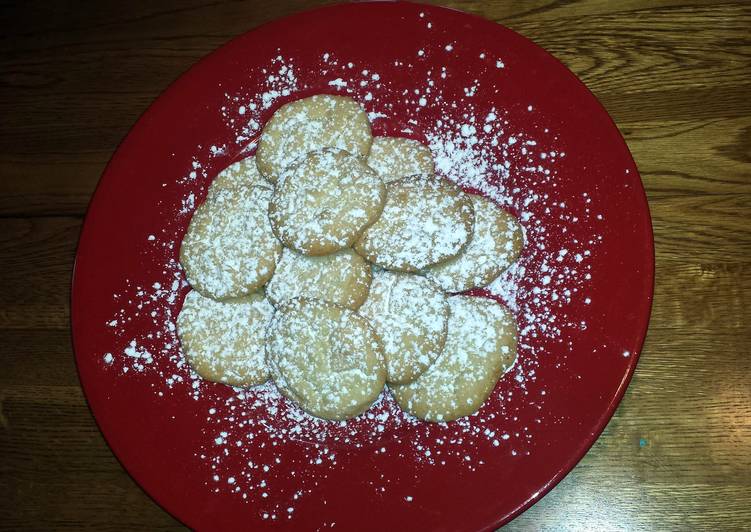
pixel 674 74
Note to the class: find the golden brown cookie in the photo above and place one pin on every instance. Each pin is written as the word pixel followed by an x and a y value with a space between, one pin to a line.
pixel 321 121
pixel 325 358
pixel 225 341
pixel 342 278
pixel 480 346
pixel 496 243
pixel 410 315
pixel 393 158
pixel 229 249
pixel 243 172
pixel 324 201
pixel 425 221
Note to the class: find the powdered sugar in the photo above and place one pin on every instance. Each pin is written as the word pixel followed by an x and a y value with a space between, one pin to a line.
pixel 393 158
pixel 424 222
pixel 481 149
pixel 225 340
pixel 323 201
pixel 410 315
pixel 229 249
pixel 325 358
pixel 495 244
pixel 305 125
pixel 480 346
pixel 342 277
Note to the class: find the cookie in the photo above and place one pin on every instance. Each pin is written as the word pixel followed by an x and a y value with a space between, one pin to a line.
pixel 425 221
pixel 342 278
pixel 229 249
pixel 243 172
pixel 410 315
pixel 480 346
pixel 224 341
pixel 321 121
pixel 325 358
pixel 324 201
pixel 496 243
pixel 395 157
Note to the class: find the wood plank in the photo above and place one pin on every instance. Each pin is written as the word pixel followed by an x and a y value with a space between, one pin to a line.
pixel 589 502
pixel 714 226
pixel 545 10
pixel 708 156
pixel 54 462
pixel 611 52
pixel 49 184
pixel 40 356
pixel 36 259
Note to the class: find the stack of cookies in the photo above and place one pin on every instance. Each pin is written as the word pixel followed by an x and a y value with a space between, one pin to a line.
pixel 329 261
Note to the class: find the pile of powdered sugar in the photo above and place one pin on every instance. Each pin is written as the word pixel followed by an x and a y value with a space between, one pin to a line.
pixel 479 150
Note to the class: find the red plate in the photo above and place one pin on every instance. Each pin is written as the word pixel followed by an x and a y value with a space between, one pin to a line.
pixel 503 117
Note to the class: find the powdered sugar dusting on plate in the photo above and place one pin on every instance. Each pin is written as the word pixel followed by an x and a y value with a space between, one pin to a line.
pixel 483 150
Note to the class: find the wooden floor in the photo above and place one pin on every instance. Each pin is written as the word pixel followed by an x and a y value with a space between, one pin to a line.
pixel 674 74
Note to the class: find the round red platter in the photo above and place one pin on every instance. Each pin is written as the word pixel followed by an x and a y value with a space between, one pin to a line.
pixel 503 118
